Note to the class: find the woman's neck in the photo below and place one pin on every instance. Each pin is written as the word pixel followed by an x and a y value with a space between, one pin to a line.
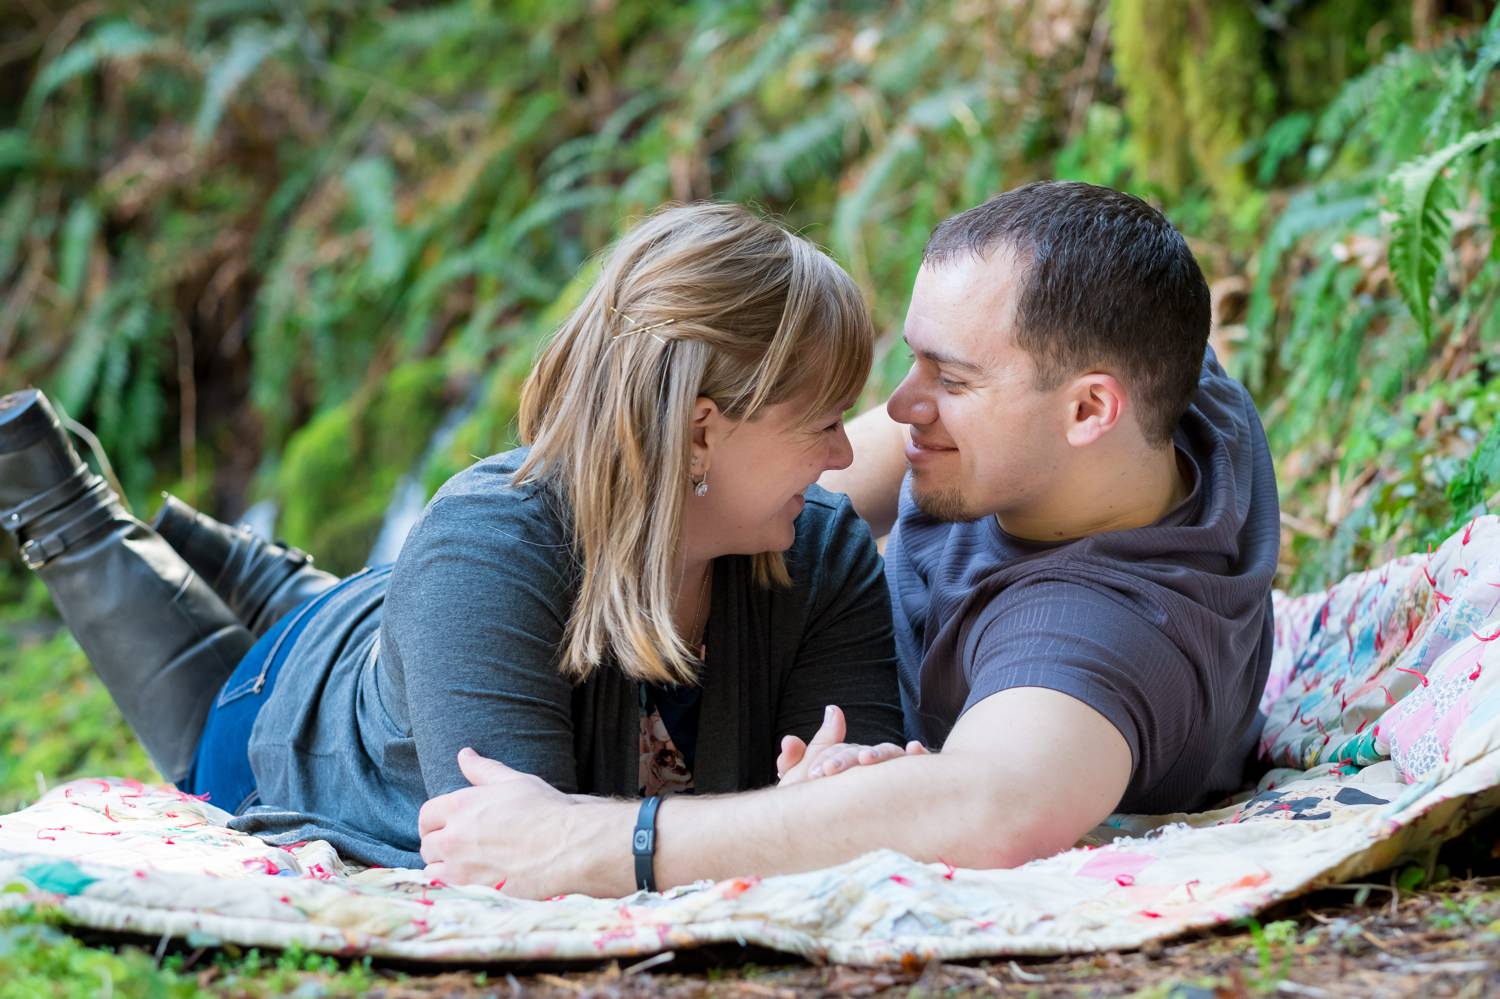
pixel 693 593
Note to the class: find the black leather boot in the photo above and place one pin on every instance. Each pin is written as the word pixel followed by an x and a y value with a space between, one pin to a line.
pixel 260 581
pixel 157 635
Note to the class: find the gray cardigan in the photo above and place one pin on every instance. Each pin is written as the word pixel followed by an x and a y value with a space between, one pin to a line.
pixel 457 646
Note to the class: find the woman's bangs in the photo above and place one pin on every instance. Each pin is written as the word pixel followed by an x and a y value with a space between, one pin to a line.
pixel 837 351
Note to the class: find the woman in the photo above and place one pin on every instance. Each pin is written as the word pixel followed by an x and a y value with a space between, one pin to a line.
pixel 642 600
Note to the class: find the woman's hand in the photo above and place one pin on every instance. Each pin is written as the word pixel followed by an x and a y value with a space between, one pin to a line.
pixel 828 753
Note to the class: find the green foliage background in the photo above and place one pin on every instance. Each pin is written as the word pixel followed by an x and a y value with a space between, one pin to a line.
pixel 264 247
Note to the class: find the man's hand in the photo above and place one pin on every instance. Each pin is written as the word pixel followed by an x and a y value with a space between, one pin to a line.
pixel 828 753
pixel 478 836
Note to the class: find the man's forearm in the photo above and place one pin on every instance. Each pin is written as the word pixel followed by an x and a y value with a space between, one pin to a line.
pixel 928 807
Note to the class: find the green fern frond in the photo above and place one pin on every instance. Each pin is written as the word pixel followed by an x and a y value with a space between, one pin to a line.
pixel 1329 209
pixel 1390 93
pixel 809 145
pixel 80 365
pixel 247 49
pixel 16 215
pixel 772 53
pixel 856 208
pixel 1423 201
pixel 75 247
pixel 371 184
pixel 112 40
pixel 1487 57
pixel 416 33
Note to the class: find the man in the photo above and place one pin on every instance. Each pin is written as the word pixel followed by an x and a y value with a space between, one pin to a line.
pixel 1080 572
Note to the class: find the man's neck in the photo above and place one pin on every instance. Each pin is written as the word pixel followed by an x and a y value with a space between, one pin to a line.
pixel 1136 491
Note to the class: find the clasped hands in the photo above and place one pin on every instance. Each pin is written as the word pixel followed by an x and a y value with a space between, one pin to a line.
pixel 828 754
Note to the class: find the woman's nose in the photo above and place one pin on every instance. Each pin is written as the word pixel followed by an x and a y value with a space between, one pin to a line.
pixel 841 452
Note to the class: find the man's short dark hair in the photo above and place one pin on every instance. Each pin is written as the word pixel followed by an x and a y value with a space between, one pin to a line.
pixel 1108 282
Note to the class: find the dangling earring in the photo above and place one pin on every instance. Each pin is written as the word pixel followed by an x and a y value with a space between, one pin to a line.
pixel 700 487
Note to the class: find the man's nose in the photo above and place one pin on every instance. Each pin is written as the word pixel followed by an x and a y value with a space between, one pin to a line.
pixel 909 404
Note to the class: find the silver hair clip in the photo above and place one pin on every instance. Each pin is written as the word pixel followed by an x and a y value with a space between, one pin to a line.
pixel 639 328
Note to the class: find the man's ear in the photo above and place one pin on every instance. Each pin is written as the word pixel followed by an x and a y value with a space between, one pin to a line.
pixel 1097 403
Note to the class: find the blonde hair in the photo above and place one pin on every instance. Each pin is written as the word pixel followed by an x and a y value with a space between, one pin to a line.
pixel 739 310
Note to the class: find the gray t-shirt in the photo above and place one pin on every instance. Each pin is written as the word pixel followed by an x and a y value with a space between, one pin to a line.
pixel 458 647
pixel 1164 630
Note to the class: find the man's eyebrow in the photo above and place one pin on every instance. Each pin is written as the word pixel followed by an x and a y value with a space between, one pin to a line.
pixel 947 360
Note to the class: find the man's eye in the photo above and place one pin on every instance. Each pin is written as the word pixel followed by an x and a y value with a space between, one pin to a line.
pixel 949 383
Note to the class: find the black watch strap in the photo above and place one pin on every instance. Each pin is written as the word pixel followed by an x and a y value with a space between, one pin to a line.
pixel 643 844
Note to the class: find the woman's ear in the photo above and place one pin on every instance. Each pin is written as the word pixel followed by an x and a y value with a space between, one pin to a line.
pixel 706 419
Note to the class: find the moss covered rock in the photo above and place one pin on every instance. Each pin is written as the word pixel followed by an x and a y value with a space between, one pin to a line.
pixel 339 471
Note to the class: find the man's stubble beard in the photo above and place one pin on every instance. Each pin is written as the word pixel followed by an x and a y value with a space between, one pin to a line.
pixel 943 505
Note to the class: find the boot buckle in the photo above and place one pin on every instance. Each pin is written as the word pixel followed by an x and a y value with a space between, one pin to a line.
pixel 35 555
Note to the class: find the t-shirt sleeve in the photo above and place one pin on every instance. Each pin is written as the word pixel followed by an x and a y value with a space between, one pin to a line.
pixel 847 654
pixel 1086 643
pixel 471 629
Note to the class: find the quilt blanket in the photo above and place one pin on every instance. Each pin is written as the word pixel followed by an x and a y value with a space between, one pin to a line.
pixel 1383 715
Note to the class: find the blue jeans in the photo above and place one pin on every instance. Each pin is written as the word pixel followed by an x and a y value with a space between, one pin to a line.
pixel 221 766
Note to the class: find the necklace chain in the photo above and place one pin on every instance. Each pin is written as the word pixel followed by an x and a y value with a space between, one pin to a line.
pixel 701 625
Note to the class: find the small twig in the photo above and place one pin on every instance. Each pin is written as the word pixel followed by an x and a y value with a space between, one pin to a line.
pixel 1292 988
pixel 1025 976
pixel 557 981
pixel 1355 885
pixel 161 947
pixel 1447 967
pixel 648 963
pixel 1304 526
pixel 757 989
pixel 1093 60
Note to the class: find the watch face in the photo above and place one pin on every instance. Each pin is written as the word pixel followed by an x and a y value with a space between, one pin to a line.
pixel 642 839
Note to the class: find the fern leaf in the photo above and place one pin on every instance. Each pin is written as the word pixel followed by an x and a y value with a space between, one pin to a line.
pixel 1424 201
pixel 81 364
pixel 1391 90
pixel 17 151
pixel 770 56
pixel 15 216
pixel 855 209
pixel 111 40
pixel 807 147
pixel 372 184
pixel 75 246
pixel 1488 56
pixel 247 49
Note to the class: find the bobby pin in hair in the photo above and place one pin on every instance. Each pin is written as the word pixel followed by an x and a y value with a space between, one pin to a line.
pixel 639 328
